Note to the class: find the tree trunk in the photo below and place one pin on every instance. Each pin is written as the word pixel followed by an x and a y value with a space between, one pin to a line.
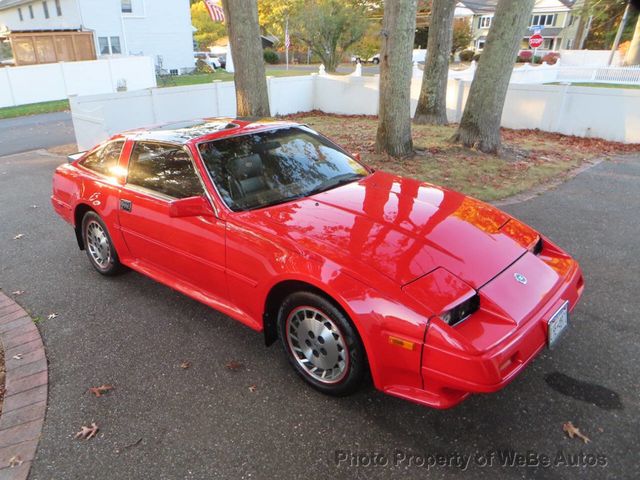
pixel 252 99
pixel 583 25
pixel 480 124
pixel 633 54
pixel 432 104
pixel 394 107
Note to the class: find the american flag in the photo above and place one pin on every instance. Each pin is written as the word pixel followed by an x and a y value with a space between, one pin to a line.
pixel 287 40
pixel 216 12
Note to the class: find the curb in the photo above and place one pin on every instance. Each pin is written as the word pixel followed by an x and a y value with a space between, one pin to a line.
pixel 26 382
pixel 545 187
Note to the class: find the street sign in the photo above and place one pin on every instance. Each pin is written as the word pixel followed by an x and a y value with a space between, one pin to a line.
pixel 535 41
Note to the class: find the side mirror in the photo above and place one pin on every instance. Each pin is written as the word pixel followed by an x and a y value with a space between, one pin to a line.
pixel 191 207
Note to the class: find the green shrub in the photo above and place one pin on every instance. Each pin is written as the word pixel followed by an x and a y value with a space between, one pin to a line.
pixel 466 55
pixel 203 67
pixel 270 56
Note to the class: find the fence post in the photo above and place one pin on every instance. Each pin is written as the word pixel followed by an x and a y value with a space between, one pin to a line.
pixel 11 94
pixel 270 79
pixel 563 105
pixel 459 100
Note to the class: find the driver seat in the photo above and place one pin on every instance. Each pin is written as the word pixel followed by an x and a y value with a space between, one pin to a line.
pixel 247 174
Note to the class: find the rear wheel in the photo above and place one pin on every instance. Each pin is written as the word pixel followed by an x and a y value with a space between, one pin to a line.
pixel 321 344
pixel 98 245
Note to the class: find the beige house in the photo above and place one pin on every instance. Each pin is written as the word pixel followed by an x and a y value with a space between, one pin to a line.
pixel 556 20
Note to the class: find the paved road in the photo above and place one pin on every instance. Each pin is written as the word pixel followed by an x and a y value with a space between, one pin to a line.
pixel 165 422
pixel 23 134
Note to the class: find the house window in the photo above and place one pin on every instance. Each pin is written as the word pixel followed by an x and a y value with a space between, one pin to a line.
pixel 480 45
pixel 45 7
pixel 103 42
pixel 58 8
pixel 20 14
pixel 543 20
pixel 485 21
pixel 115 45
pixel 109 45
pixel 569 43
pixel 126 6
pixel 31 11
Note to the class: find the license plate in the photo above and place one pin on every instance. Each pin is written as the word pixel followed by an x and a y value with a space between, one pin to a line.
pixel 557 324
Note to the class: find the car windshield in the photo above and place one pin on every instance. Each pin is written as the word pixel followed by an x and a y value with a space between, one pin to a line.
pixel 277 166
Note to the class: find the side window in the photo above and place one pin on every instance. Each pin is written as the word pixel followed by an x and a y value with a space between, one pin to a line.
pixel 165 169
pixel 104 159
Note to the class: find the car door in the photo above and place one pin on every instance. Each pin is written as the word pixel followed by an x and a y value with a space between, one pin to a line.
pixel 189 248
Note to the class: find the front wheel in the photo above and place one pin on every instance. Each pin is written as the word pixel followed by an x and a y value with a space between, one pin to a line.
pixel 99 247
pixel 321 344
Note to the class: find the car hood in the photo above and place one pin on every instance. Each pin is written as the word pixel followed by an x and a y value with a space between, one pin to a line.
pixel 401 227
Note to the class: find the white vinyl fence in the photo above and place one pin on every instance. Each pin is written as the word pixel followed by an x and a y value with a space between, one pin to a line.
pixel 538 74
pixel 609 113
pixel 57 81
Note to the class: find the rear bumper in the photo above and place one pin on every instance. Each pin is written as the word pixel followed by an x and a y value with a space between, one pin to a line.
pixel 451 374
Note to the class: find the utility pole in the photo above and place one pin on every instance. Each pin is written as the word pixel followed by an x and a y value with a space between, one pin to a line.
pixel 616 42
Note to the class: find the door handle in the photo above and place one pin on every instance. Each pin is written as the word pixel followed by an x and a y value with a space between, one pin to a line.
pixel 126 205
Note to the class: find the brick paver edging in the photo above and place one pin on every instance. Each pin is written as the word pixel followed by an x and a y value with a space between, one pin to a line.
pixel 25 398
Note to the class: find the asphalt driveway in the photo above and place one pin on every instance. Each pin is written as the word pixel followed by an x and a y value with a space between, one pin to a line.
pixel 163 421
pixel 46 130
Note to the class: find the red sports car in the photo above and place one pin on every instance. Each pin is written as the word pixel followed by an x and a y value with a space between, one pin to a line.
pixel 436 294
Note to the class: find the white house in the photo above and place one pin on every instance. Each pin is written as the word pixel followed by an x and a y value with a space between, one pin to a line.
pixel 160 29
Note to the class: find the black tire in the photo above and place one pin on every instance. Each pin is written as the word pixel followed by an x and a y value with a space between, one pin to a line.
pixel 93 225
pixel 347 379
pixel 375 61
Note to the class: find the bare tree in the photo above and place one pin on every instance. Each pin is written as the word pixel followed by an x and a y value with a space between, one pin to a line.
pixel 252 99
pixel 394 108
pixel 480 124
pixel 432 104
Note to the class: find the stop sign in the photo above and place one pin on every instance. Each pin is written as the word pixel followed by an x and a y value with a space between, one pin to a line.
pixel 536 40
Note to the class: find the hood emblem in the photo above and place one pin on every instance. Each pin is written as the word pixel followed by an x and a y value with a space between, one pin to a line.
pixel 520 278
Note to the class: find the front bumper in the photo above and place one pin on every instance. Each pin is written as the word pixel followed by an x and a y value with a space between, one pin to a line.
pixel 497 344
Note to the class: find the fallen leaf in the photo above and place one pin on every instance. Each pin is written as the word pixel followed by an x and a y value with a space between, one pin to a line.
pixel 15 461
pixel 17 292
pixel 86 433
pixel 51 316
pixel 18 236
pixel 233 365
pixel 17 356
pixel 252 388
pixel 573 431
pixel 185 364
pixel 34 206
pixel 101 390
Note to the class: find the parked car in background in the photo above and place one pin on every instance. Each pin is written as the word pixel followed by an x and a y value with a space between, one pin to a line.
pixel 209 58
pixel 435 294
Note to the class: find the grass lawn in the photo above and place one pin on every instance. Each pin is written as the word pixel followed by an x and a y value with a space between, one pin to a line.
pixel 34 108
pixel 530 158
pixel 198 78
pixel 600 85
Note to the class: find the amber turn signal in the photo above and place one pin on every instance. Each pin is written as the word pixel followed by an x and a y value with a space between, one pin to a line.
pixel 399 342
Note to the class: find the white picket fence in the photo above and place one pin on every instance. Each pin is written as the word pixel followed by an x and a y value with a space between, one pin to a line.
pixel 540 74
